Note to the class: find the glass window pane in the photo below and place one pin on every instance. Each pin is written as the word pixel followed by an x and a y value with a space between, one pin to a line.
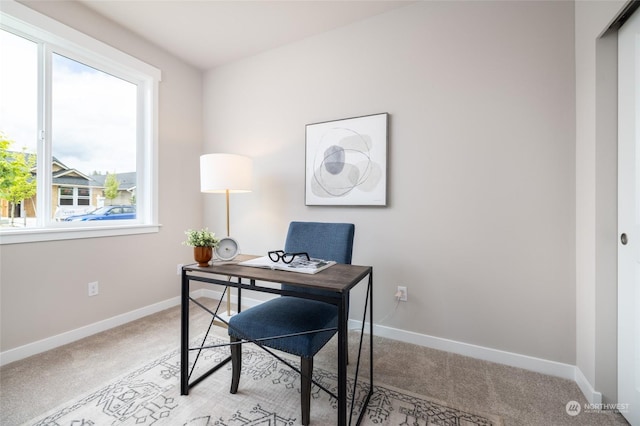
pixel 94 129
pixel 18 128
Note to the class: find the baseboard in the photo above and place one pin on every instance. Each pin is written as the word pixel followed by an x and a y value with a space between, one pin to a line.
pixel 589 392
pixel 53 342
pixel 553 368
pixel 539 365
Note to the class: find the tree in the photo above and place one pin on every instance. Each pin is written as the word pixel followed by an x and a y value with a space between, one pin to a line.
pixel 6 169
pixel 111 186
pixel 16 181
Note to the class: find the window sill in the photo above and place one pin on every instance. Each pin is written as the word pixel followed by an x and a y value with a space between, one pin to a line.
pixel 52 234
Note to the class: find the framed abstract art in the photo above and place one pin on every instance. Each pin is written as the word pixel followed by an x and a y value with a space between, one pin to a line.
pixel 346 162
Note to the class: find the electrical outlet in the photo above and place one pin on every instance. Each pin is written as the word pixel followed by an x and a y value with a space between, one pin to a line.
pixel 92 288
pixel 179 269
pixel 401 294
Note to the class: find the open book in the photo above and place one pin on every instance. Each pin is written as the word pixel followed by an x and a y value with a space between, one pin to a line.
pixel 304 266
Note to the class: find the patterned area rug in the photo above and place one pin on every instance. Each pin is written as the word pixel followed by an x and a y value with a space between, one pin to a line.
pixel 268 395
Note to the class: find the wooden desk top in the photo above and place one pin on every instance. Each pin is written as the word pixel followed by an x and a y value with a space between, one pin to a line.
pixel 339 277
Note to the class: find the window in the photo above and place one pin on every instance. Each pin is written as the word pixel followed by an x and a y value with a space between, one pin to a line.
pixel 77 132
pixel 83 197
pixel 74 196
pixel 66 197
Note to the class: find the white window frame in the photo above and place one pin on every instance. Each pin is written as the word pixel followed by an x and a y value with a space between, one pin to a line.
pixel 32 25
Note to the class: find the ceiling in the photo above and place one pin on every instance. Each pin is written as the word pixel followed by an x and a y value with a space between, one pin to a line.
pixel 209 33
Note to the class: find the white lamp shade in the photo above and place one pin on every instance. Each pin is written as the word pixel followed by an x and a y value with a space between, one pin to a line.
pixel 222 172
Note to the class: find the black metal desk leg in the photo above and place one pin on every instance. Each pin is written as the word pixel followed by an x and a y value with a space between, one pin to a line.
pixel 370 293
pixel 342 361
pixel 184 336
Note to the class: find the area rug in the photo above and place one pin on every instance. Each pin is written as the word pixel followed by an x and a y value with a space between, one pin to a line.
pixel 268 395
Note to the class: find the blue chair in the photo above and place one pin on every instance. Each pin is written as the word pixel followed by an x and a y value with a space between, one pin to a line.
pixel 287 315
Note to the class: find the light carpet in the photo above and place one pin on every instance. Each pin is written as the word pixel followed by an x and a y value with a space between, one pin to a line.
pixel 268 395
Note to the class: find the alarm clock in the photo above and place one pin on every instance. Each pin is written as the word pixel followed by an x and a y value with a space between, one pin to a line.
pixel 227 249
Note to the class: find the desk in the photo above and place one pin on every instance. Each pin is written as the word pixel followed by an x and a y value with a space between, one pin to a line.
pixel 339 279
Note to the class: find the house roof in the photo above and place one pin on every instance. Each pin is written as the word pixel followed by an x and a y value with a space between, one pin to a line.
pixel 126 181
pixel 65 175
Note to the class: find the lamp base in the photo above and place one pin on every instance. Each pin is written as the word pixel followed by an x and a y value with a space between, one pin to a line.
pixel 224 316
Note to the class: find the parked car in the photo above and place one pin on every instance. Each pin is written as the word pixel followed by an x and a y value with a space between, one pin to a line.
pixel 106 213
pixel 63 212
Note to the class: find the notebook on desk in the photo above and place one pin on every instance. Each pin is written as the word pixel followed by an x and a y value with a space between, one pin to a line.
pixel 303 266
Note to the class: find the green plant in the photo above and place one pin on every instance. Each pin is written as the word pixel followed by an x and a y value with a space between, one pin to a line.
pixel 202 238
pixel 17 183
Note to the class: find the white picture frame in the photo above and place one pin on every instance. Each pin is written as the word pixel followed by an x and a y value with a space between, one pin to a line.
pixel 346 162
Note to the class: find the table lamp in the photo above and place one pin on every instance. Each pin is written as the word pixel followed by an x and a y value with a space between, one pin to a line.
pixel 224 174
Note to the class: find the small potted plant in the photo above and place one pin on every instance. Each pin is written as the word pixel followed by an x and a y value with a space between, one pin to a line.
pixel 203 243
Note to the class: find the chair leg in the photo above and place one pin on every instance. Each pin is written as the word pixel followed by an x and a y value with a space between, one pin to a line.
pixel 306 368
pixel 236 364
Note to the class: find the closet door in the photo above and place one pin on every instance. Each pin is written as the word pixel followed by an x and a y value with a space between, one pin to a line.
pixel 629 218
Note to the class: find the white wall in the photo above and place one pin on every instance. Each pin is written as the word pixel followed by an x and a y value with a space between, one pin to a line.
pixel 596 189
pixel 43 289
pixel 481 218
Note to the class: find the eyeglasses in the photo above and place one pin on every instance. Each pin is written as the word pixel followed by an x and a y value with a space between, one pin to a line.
pixel 277 255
